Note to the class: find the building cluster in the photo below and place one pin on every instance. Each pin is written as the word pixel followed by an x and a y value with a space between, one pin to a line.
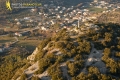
pixel 105 5
pixel 50 16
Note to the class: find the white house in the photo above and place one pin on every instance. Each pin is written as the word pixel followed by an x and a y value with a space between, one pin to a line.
pixel 56 9
pixel 1 50
pixel 40 13
pixel 33 10
pixel 16 19
pixel 63 8
pixel 26 18
pixel 45 5
pixel 43 28
pixel 18 34
pixel 58 16
pixel 60 11
pixel 39 23
pixel 53 22
pixel 18 23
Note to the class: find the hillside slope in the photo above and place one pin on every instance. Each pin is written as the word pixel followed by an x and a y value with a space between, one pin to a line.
pixel 66 56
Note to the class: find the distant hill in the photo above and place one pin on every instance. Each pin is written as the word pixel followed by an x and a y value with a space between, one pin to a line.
pixel 110 17
pixel 110 0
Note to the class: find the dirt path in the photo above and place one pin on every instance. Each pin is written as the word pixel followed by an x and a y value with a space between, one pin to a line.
pixel 95 57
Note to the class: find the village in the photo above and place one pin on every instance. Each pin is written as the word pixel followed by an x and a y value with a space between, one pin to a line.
pixel 49 19
pixel 49 16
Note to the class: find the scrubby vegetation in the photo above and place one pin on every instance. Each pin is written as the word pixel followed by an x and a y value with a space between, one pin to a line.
pixel 13 62
pixel 73 53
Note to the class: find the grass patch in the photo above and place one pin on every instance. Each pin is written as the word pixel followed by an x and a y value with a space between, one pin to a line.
pixel 28 44
pixel 94 9
pixel 4 39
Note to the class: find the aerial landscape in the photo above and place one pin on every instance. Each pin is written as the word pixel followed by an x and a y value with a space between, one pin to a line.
pixel 59 39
